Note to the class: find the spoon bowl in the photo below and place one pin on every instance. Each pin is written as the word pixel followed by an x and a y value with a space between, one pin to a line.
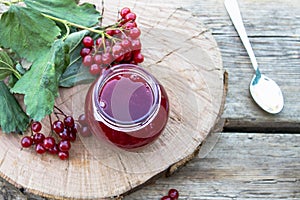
pixel 265 92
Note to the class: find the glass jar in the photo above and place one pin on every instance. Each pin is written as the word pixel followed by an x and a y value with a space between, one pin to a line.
pixel 127 107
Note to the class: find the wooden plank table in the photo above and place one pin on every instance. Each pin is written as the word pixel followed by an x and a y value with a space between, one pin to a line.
pixel 257 156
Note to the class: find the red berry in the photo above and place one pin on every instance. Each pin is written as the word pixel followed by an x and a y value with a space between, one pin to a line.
pixel 134 33
pixel 124 12
pixel 166 198
pixel 99 42
pixel 58 126
pixel 49 142
pixel 36 127
pixel 64 145
pixel 128 56
pixel 126 44
pixel 95 69
pixel 117 32
pixel 53 150
pixel 130 16
pixel 69 121
pixel 40 149
pixel 107 58
pixel 26 141
pixel 138 57
pixel 117 49
pixel 87 60
pixel 130 25
pixel 136 44
pixel 174 194
pixel 63 155
pixel 85 51
pixel 97 59
pixel 38 138
pixel 119 58
pixel 72 136
pixel 110 32
pixel 88 41
pixel 64 135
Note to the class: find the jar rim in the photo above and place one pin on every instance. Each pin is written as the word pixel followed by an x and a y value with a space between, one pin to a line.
pixel 120 125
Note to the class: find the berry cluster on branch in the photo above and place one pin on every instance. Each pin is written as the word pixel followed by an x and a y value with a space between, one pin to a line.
pixel 120 43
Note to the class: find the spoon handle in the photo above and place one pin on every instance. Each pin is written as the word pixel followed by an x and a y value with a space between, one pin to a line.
pixel 233 10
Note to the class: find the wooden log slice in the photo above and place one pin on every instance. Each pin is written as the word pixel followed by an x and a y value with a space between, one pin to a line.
pixel 184 57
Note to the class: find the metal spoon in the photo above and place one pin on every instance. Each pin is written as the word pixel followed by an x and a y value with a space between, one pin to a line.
pixel 265 92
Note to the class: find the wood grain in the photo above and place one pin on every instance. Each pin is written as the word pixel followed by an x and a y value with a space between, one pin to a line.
pixel 237 168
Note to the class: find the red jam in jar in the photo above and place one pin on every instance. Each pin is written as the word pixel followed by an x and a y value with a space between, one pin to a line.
pixel 127 107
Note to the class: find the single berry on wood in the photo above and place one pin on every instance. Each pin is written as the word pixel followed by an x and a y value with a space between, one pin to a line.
pixel 72 137
pixel 26 141
pixel 63 155
pixel 40 149
pixel 174 194
pixel 138 57
pixel 58 126
pixel 38 138
pixel 130 16
pixel 134 33
pixel 64 145
pixel 64 135
pixel 124 11
pixel 166 198
pixel 69 121
pixel 36 126
pixel 49 142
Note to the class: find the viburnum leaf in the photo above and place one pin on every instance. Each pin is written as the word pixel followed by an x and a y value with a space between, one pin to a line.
pixel 40 83
pixel 12 117
pixel 6 65
pixel 27 32
pixel 76 73
pixel 85 14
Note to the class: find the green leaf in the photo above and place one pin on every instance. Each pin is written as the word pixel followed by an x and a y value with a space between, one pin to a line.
pixel 40 83
pixel 76 73
pixel 85 14
pixel 27 32
pixel 74 39
pixel 12 117
pixel 6 65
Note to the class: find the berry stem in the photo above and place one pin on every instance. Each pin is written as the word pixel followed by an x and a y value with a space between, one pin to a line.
pixel 68 23
pixel 50 120
pixel 61 112
pixel 15 72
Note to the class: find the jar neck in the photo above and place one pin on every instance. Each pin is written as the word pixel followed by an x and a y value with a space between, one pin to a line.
pixel 129 125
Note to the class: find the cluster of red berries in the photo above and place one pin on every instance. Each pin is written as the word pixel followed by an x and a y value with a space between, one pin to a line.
pixel 66 131
pixel 173 194
pixel 119 43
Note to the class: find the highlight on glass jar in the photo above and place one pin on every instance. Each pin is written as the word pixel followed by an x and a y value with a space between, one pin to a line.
pixel 127 107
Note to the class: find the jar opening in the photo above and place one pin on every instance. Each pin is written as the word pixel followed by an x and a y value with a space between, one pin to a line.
pixel 126 96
